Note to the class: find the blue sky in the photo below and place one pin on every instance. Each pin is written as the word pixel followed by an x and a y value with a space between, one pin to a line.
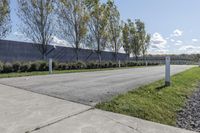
pixel 173 24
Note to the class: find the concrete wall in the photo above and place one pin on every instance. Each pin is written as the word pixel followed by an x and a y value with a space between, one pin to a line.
pixel 20 51
pixel 161 60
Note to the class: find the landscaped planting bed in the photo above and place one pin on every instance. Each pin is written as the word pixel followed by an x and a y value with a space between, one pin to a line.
pixel 43 66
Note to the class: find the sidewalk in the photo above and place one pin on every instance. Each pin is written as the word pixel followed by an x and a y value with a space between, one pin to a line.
pixel 26 112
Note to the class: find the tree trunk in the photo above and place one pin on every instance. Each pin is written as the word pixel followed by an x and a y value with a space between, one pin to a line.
pixel 116 57
pixel 98 51
pixel 136 58
pixel 99 56
pixel 115 52
pixel 77 56
pixel 44 55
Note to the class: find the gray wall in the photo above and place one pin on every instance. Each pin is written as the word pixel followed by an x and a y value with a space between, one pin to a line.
pixel 20 51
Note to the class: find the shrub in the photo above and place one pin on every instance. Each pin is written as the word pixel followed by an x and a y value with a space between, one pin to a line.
pixel 104 65
pixel 43 66
pixel 7 68
pixel 25 67
pixel 91 65
pixel 16 66
pixel 55 65
pixel 34 66
pixel 62 66
pixel 80 65
pixel 1 66
pixel 110 64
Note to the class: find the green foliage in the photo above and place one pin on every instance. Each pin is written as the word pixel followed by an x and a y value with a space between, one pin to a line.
pixel 16 66
pixel 5 26
pixel 155 102
pixel 73 21
pixel 98 25
pixel 136 40
pixel 1 67
pixel 62 66
pixel 126 43
pixel 43 66
pixel 34 66
pixel 7 68
pixel 25 67
pixel 114 27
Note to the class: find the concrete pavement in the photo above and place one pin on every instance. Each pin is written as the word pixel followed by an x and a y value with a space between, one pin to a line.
pixel 27 112
pixel 91 87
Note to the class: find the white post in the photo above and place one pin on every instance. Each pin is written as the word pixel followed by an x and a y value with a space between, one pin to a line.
pixel 119 63
pixel 199 62
pixel 50 66
pixel 167 71
pixel 146 63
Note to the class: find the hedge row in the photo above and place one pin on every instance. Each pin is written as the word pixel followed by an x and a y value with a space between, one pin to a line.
pixel 43 66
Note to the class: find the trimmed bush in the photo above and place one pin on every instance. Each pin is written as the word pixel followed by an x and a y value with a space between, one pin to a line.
pixel 62 66
pixel 16 66
pixel 91 65
pixel 43 66
pixel 25 67
pixel 80 65
pixel 55 65
pixel 1 67
pixel 7 68
pixel 34 66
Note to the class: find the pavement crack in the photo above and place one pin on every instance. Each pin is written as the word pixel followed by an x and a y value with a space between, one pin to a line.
pixel 133 128
pixel 57 121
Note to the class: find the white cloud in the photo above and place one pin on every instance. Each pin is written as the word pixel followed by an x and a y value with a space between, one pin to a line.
pixel 172 40
pixel 189 49
pixel 177 33
pixel 18 34
pixel 156 51
pixel 195 40
pixel 178 43
pixel 59 42
pixel 157 41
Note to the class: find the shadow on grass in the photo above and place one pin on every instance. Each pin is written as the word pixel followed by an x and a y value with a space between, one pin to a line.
pixel 161 87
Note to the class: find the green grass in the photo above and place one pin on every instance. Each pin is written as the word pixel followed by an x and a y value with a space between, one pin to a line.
pixel 155 102
pixel 22 74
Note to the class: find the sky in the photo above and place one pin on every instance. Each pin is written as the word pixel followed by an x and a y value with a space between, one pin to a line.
pixel 174 25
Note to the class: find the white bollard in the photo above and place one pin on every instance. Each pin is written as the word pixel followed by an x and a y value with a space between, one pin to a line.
pixel 119 64
pixel 50 66
pixel 199 62
pixel 167 71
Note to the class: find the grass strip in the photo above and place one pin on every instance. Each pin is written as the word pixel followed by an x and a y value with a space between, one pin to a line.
pixel 155 102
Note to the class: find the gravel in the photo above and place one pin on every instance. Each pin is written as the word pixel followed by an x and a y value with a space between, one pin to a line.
pixel 189 116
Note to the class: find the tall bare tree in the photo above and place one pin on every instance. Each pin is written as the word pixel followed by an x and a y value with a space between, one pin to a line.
pixel 98 25
pixel 37 22
pixel 5 26
pixel 73 21
pixel 115 28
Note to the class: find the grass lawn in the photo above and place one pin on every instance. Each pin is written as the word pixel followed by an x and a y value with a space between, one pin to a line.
pixel 22 74
pixel 155 102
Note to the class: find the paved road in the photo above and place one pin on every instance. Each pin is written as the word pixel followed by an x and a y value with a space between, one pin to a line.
pixel 91 87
